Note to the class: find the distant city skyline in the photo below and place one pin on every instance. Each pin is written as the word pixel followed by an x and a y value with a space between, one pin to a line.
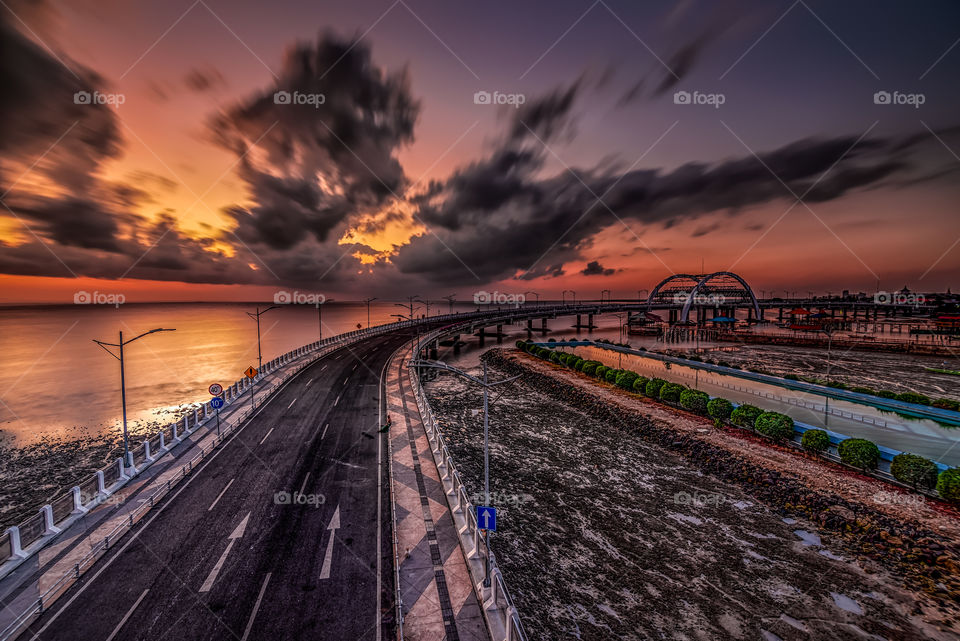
pixel 222 151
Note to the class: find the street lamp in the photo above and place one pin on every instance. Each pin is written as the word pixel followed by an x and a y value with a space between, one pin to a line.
pixel 256 317
pixel 450 299
pixel 640 294
pixel 535 294
pixel 368 301
pixel 320 315
pixel 564 295
pixel 486 433
pixel 602 292
pixel 127 454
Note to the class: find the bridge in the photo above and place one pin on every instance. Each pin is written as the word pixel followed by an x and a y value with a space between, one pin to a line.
pixel 294 528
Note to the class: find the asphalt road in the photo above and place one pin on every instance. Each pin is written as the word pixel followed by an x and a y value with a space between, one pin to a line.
pixel 274 537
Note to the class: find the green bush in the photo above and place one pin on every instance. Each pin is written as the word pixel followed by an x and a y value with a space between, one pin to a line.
pixel 670 392
pixel 948 485
pixel 640 384
pixel 745 415
pixel 775 425
pixel 611 375
pixel 913 397
pixel 863 390
pixel 625 379
pixel 694 401
pixel 578 364
pixel 837 384
pixel 859 452
pixel 554 357
pixel 885 393
pixel 653 387
pixel 947 404
pixel 720 409
pixel 521 344
pixel 914 470
pixel 791 377
pixel 816 441
pixel 543 352
pixel 590 368
pixel 601 372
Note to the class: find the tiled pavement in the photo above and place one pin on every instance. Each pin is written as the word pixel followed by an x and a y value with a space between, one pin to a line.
pixel 436 590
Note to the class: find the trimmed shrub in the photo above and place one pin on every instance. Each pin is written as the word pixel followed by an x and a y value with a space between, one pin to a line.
pixel 578 364
pixel 551 340
pixel 885 393
pixel 670 392
pixel 913 397
pixel 554 357
pixel 916 471
pixel 815 441
pixel 863 390
pixel 653 386
pixel 695 401
pixel 589 368
pixel 946 404
pixel 521 344
pixel 948 485
pixel 791 377
pixel 859 452
pixel 837 384
pixel 775 425
pixel 625 379
pixel 719 409
pixel 611 374
pixel 601 372
pixel 745 415
pixel 640 384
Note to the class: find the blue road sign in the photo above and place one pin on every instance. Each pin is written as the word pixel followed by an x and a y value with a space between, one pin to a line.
pixel 216 403
pixel 487 518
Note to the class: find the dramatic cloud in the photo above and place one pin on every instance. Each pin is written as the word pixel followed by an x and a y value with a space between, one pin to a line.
pixel 594 268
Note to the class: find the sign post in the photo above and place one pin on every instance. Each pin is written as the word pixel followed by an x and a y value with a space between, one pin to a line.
pixel 251 373
pixel 216 389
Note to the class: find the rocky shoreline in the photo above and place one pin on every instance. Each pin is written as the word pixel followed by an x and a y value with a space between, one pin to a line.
pixel 880 546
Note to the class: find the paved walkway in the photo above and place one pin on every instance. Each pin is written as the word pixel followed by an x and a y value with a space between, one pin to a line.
pixel 21 589
pixel 436 590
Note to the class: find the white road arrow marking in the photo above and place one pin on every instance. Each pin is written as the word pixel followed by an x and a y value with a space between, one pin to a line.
pixel 328 557
pixel 237 533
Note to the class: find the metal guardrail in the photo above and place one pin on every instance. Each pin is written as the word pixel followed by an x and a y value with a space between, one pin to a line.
pixel 503 619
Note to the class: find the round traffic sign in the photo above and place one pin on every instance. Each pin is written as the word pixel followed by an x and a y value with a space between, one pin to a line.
pixel 216 403
pixel 216 389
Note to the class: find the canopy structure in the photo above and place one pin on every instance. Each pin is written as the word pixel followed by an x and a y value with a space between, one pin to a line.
pixel 799 311
pixel 723 319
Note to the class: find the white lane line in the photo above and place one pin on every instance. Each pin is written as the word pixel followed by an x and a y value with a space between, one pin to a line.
pixel 328 557
pixel 220 496
pixel 346 379
pixel 324 431
pixel 236 534
pixel 324 367
pixel 304 486
pixel 256 607
pixel 291 403
pixel 354 366
pixel 308 384
pixel 126 617
pixel 338 399
pixel 265 437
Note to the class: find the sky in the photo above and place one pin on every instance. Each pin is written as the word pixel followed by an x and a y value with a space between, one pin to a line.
pixel 227 150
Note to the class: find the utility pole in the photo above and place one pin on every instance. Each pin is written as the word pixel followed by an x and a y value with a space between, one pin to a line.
pixel 127 454
pixel 486 384
pixel 256 317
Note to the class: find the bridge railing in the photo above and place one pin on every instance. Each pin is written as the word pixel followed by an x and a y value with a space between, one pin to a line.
pixel 503 619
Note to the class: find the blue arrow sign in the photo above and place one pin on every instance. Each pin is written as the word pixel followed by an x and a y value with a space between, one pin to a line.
pixel 487 518
pixel 216 403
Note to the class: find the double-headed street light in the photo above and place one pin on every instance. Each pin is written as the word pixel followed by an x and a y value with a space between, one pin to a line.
pixel 368 301
pixel 127 454
pixel 256 317
pixel 564 295
pixel 535 294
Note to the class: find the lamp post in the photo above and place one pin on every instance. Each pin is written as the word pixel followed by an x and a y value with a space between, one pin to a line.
pixel 602 292
pixel 486 434
pixel 127 454
pixel 320 315
pixel 368 301
pixel 640 294
pixel 256 317
pixel 535 294
pixel 564 295
pixel 450 299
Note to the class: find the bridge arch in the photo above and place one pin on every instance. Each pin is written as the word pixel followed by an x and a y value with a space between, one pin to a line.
pixel 701 285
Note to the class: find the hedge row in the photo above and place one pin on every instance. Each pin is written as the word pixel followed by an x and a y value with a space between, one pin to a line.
pixel 910 469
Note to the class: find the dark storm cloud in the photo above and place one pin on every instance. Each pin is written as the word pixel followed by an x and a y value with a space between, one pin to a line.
pixel 594 268
pixel 203 79
pixel 331 113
